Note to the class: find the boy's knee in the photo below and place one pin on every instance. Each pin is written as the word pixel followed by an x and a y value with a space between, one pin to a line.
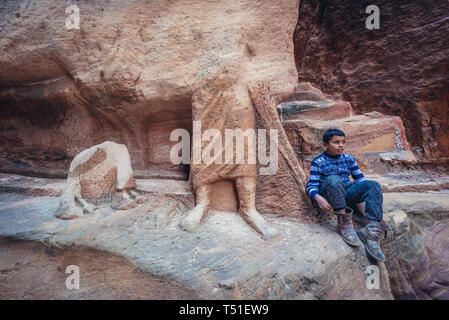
pixel 374 184
pixel 372 187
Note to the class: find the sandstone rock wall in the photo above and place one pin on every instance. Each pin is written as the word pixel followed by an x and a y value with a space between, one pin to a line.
pixel 400 69
pixel 131 73
pixel 130 66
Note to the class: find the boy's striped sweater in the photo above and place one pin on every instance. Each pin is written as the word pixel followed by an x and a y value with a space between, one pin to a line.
pixel 325 165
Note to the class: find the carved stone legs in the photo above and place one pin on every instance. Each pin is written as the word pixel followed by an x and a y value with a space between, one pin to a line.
pixel 246 188
pixel 193 218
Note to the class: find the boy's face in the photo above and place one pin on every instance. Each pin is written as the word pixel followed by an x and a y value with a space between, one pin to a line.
pixel 336 145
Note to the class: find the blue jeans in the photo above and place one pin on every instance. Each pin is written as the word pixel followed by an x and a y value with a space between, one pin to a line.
pixel 340 196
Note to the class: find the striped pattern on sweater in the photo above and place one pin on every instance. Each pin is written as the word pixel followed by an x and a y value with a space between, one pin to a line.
pixel 325 165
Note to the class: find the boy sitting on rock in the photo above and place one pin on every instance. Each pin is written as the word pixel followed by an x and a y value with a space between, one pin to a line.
pixel 330 187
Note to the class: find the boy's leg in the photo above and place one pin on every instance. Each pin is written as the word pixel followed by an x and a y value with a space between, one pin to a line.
pixel 332 189
pixel 370 192
pixel 334 192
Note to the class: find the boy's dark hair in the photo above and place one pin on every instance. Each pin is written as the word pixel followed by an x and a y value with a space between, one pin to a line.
pixel 327 136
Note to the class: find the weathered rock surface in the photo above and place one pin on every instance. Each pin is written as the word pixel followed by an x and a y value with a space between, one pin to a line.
pixel 35 271
pixel 399 69
pixel 412 181
pixel 417 249
pixel 274 191
pixel 308 102
pixel 322 110
pixel 224 258
pixel 99 175
pixel 55 187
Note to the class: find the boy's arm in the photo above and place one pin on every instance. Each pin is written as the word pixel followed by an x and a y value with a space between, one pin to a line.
pixel 356 173
pixel 313 185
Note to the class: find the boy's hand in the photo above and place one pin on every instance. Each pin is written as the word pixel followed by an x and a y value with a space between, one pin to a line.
pixel 322 202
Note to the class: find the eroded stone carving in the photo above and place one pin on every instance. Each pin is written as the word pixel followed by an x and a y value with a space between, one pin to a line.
pixel 97 176
pixel 149 66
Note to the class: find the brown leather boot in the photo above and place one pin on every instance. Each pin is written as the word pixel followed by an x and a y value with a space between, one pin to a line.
pixel 346 229
pixel 370 236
